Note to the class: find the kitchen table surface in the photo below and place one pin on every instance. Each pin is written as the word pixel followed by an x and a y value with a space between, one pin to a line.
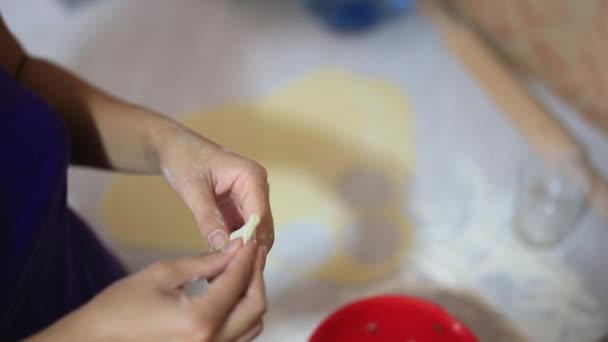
pixel 186 56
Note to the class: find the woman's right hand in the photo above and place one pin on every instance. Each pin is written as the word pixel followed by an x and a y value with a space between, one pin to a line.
pixel 151 305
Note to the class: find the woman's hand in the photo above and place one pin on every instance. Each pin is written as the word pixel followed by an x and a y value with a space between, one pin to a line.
pixel 221 188
pixel 151 305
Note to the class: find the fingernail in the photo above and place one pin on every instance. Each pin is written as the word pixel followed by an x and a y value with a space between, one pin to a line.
pixel 232 245
pixel 217 239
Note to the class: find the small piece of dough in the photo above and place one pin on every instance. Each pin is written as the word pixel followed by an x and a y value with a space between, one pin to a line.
pixel 247 230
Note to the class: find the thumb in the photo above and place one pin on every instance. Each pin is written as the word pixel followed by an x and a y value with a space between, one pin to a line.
pixel 208 217
pixel 181 271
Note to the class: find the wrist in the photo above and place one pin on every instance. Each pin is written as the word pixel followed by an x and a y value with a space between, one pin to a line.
pixel 161 135
pixel 173 143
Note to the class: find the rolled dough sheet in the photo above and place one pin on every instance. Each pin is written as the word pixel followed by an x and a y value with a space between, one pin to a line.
pixel 310 135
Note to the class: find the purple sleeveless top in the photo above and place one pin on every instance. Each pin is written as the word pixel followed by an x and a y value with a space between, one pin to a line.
pixel 50 261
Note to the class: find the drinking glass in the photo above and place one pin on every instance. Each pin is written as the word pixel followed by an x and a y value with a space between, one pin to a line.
pixel 551 200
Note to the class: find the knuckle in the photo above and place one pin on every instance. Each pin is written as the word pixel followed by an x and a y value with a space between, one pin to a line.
pixel 263 172
pixel 256 170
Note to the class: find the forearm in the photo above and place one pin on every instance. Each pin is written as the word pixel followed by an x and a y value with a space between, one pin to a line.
pixel 105 131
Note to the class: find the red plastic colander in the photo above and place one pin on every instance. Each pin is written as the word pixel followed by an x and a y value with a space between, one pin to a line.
pixel 392 318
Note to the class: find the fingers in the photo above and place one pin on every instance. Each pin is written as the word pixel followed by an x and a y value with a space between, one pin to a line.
pixel 178 272
pixel 202 203
pixel 228 288
pixel 253 333
pixel 254 199
pixel 249 311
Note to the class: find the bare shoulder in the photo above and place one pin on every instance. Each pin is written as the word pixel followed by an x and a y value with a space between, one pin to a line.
pixel 12 53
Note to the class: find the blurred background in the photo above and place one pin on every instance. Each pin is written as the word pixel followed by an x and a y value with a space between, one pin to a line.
pixel 498 165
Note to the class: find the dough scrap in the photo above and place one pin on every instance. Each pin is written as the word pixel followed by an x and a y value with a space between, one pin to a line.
pixel 247 230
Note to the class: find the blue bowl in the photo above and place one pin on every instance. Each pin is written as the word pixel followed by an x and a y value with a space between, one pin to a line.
pixel 358 15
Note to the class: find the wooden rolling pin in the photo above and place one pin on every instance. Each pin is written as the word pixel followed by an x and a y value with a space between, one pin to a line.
pixel 531 118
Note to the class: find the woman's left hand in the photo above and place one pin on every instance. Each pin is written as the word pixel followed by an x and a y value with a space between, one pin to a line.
pixel 221 188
